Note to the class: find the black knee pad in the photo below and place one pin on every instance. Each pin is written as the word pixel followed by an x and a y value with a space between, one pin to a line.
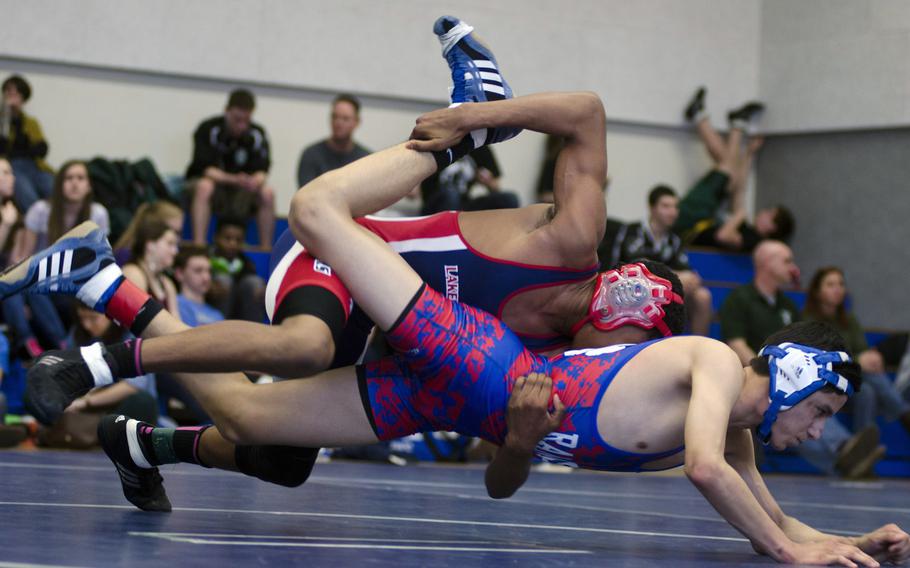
pixel 283 465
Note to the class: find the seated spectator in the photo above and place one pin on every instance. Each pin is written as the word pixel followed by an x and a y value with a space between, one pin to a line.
pixel 160 210
pixel 339 149
pixel 70 204
pixel 22 142
pixel 123 397
pixel 754 311
pixel 229 171
pixel 239 291
pixel 153 251
pixel 826 301
pixel 700 219
pixel 653 239
pixel 193 271
pixel 450 189
pixel 78 427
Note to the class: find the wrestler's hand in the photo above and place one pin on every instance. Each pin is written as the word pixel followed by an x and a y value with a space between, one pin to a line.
pixel 438 130
pixel 528 417
pixel 887 544
pixel 828 553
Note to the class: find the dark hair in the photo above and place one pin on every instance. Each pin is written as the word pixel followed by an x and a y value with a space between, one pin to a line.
pixel 55 226
pixel 348 98
pixel 150 230
pixel 242 99
pixel 81 336
pixel 815 334
pixel 784 225
pixel 659 191
pixel 229 221
pixel 813 296
pixel 674 314
pixel 189 251
pixel 20 84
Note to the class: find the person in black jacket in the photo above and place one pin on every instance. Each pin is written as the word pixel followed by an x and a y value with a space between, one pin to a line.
pixel 229 171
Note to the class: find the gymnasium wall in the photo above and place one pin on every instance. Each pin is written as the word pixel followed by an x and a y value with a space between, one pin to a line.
pixel 850 193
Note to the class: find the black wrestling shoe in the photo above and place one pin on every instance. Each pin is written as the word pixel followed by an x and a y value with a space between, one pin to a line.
pixel 696 104
pixel 746 112
pixel 55 380
pixel 142 486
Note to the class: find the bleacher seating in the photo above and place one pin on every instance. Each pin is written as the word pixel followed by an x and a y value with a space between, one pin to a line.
pixel 722 272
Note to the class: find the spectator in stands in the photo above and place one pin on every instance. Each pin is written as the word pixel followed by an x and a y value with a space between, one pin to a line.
pixel 700 219
pixel 240 290
pixel 160 210
pixel 754 311
pixel 70 203
pixel 340 148
pixel 193 271
pixel 153 251
pixel 123 397
pixel 22 142
pixel 653 239
pixel 229 171
pixel 450 189
pixel 826 301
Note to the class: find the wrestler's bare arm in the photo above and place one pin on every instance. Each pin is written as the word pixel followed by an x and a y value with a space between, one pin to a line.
pixel 887 543
pixel 717 380
pixel 581 169
pixel 528 420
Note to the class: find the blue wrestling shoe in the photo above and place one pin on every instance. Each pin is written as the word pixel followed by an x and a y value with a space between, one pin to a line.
pixel 79 263
pixel 475 73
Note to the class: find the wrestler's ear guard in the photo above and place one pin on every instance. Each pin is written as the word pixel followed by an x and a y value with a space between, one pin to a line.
pixel 631 295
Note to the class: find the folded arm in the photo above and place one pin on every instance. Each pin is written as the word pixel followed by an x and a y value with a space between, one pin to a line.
pixel 528 420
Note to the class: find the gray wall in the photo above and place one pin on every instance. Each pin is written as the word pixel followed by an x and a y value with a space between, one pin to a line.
pixel 851 195
pixel 835 64
pixel 644 57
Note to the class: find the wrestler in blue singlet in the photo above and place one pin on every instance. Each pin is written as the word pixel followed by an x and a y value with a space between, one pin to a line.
pixel 455 369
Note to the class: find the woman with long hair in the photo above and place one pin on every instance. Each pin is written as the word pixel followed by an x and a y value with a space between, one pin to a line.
pixel 160 210
pixel 153 250
pixel 827 301
pixel 70 204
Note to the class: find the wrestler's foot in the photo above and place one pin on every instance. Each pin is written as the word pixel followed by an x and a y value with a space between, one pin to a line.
pixel 744 114
pixel 142 484
pixel 79 263
pixel 475 73
pixel 58 378
pixel 696 106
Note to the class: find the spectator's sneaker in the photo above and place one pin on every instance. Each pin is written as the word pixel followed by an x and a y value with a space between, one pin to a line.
pixel 854 455
pixel 55 380
pixel 475 73
pixel 79 263
pixel 142 486
pixel 746 112
pixel 696 106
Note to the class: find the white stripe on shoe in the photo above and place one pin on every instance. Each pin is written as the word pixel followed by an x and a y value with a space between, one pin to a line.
pixel 94 358
pixel 92 291
pixel 132 440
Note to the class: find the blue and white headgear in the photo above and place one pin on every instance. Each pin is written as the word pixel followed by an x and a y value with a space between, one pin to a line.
pixel 797 371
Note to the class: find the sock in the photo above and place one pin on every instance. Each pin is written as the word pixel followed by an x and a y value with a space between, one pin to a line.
pixel 124 359
pixel 131 307
pixel 160 446
pixel 702 114
pixel 445 158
